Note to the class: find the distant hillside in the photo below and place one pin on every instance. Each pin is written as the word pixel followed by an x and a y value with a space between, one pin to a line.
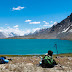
pixel 2 35
pixel 12 34
pixel 62 30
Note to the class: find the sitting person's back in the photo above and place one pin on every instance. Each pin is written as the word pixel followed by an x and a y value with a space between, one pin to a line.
pixel 48 60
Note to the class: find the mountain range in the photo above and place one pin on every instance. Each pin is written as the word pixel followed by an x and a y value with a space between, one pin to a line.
pixel 62 30
pixel 2 35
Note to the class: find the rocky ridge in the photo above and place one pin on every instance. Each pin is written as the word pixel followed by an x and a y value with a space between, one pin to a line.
pixel 62 30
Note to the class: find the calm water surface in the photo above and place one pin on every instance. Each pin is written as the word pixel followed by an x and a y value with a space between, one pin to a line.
pixel 34 46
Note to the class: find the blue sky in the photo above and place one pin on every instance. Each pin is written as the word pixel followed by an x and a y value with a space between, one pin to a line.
pixel 24 16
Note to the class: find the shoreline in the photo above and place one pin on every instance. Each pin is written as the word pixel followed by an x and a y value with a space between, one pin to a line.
pixel 63 54
pixel 34 38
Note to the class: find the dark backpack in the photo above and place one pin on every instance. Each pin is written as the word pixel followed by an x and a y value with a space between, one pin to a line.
pixel 47 61
pixel 2 60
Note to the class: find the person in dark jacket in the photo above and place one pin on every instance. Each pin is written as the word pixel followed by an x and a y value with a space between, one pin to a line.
pixel 47 60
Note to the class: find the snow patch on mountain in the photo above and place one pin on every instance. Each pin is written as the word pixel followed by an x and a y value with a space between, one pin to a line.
pixel 12 34
pixel 65 30
pixel 70 30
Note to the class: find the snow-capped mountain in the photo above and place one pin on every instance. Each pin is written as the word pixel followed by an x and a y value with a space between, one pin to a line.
pixel 12 34
pixel 62 30
pixel 3 35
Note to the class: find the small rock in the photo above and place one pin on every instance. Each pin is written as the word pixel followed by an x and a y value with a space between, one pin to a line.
pixel 69 58
pixel 29 64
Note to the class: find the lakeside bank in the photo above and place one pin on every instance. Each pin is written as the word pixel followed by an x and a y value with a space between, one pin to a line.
pixel 28 63
pixel 65 54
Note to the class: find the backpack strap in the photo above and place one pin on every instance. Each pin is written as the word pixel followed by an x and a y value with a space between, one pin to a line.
pixel 48 59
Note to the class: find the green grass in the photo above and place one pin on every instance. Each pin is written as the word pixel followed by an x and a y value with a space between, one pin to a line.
pixel 69 54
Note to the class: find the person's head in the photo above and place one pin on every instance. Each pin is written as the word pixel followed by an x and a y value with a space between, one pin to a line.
pixel 50 53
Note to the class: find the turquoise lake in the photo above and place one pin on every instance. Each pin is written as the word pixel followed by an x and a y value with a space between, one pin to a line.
pixel 34 46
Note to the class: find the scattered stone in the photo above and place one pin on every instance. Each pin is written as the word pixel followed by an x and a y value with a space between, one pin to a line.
pixel 70 58
pixel 29 64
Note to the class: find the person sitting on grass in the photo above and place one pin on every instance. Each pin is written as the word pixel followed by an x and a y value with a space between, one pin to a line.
pixel 47 60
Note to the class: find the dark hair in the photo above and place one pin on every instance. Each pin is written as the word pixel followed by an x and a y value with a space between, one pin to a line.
pixel 50 52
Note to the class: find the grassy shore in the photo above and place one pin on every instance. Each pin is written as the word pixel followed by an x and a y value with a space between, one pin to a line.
pixel 68 54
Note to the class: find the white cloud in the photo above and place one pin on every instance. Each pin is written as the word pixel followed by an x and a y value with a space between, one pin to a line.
pixel 51 21
pixel 48 25
pixel 17 31
pixel 45 25
pixel 34 22
pixel 46 22
pixel 6 24
pixel 16 26
pixel 28 20
pixel 18 8
pixel 0 30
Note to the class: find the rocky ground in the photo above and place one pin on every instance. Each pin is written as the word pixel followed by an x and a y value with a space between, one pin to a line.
pixel 29 64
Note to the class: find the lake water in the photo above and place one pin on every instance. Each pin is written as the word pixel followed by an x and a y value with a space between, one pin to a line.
pixel 34 46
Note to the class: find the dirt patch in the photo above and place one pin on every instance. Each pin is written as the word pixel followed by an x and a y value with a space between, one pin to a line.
pixel 29 64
